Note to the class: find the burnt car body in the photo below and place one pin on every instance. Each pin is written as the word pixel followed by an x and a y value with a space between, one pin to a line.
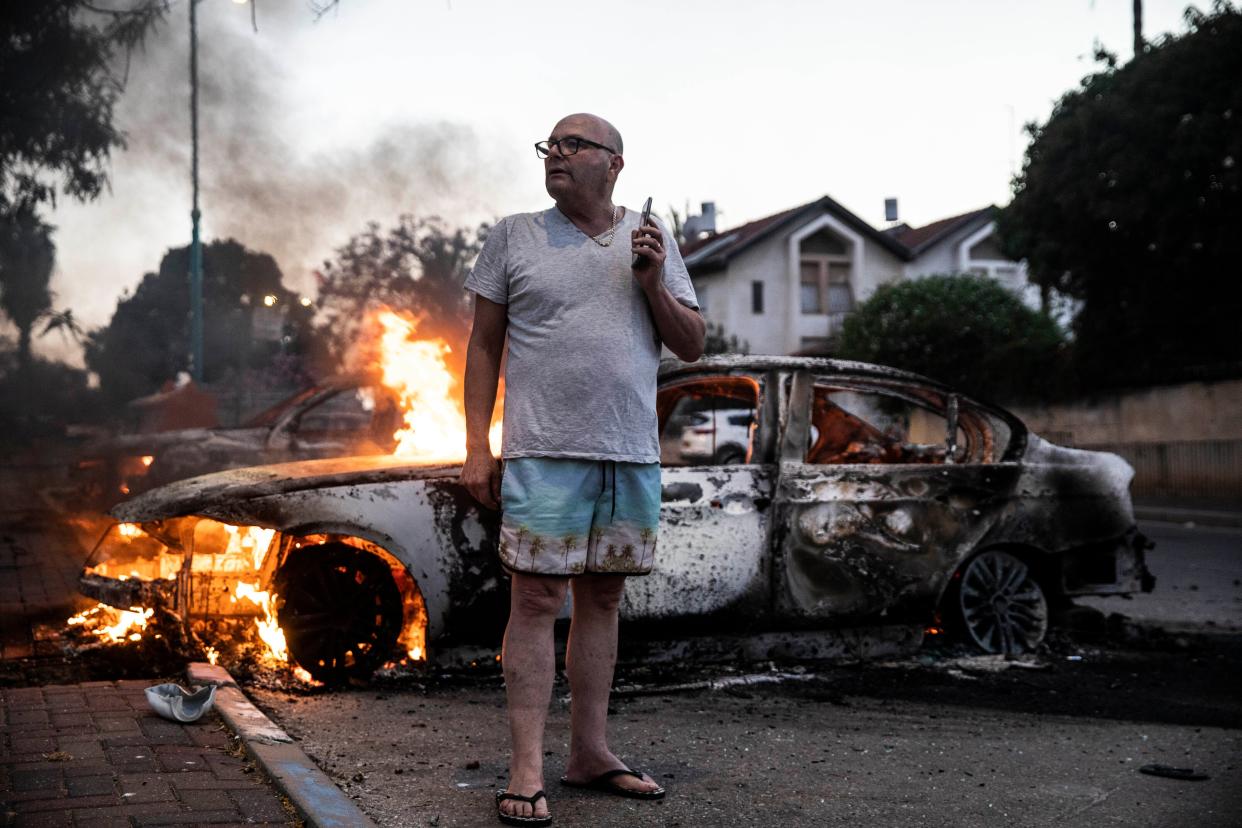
pixel 340 416
pixel 866 497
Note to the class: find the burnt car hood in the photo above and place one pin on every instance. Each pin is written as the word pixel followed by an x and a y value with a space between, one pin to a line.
pixel 197 494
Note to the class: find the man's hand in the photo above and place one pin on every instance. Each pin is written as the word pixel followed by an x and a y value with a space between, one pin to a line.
pixel 480 474
pixel 647 243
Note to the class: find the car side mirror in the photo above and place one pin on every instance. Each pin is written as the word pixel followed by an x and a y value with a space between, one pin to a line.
pixel 950 439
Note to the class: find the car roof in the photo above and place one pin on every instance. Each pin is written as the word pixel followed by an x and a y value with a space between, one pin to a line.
pixel 670 368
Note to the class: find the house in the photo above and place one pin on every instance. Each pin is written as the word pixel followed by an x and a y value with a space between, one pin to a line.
pixel 786 282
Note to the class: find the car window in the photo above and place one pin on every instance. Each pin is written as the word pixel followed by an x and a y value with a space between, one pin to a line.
pixel 710 422
pixel 851 425
pixel 350 412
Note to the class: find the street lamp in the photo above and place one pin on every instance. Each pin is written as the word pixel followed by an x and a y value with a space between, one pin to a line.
pixel 196 244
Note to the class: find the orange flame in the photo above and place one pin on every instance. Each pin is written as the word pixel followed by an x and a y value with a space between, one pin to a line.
pixel 434 427
pixel 112 624
pixel 269 631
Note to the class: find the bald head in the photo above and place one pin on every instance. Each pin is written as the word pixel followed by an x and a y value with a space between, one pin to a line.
pixel 593 128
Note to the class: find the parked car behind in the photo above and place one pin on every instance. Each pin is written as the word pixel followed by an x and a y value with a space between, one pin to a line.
pixel 346 415
pixel 865 498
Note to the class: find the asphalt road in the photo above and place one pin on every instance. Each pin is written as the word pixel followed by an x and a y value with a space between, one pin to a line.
pixel 933 740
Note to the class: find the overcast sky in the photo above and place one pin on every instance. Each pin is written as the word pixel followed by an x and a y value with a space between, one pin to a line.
pixel 311 129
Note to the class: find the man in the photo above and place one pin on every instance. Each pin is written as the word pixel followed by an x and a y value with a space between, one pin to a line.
pixel 581 483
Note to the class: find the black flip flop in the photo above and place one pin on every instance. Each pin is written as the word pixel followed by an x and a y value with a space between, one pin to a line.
pixel 604 782
pixel 1169 772
pixel 510 819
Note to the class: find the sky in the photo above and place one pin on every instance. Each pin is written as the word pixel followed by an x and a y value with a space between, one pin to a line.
pixel 312 127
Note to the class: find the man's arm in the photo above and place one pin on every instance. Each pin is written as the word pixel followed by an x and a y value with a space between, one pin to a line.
pixel 681 328
pixel 481 472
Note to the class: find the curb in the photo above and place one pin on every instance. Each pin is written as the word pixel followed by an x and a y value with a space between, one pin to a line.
pixel 316 797
pixel 1199 517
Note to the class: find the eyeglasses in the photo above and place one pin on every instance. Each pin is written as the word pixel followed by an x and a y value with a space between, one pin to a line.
pixel 568 145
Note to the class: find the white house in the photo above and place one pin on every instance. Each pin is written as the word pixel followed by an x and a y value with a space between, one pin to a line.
pixel 785 283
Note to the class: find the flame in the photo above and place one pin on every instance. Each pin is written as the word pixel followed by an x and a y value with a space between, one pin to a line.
pixel 303 675
pixel 248 539
pixel 213 655
pixel 148 459
pixel 434 427
pixel 114 625
pixel 269 631
pixel 416 654
pixel 129 530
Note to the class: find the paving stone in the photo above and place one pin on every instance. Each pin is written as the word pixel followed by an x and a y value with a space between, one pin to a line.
pixel 51 819
pixel 259 805
pixel 144 787
pixel 190 818
pixel 206 800
pixel 36 780
pixel 59 803
pixel 90 785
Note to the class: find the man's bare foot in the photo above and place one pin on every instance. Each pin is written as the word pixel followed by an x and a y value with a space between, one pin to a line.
pixel 517 808
pixel 581 772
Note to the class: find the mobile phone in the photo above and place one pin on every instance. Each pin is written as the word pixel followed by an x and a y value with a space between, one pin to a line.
pixel 642 222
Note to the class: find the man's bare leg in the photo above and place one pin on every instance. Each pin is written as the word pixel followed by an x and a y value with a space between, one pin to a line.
pixel 529 660
pixel 590 661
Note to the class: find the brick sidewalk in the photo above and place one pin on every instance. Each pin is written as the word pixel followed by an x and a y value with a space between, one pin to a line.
pixel 95 754
pixel 40 559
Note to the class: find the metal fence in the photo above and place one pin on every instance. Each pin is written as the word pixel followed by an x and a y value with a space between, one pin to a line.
pixel 1202 468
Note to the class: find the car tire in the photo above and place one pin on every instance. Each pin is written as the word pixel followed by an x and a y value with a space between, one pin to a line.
pixel 730 455
pixel 340 610
pixel 996 604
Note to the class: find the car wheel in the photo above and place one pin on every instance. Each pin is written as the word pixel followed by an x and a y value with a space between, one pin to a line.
pixel 999 606
pixel 729 456
pixel 340 611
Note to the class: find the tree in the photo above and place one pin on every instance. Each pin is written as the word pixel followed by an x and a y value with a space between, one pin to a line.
pixel 146 342
pixel 62 64
pixel 717 342
pixel 967 331
pixel 26 258
pixel 1129 201
pixel 417 266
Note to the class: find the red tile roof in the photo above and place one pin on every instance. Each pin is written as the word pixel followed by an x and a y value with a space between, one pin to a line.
pixel 906 242
pixel 918 238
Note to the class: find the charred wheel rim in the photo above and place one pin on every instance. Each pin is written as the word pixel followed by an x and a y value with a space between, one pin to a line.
pixel 340 611
pixel 1003 609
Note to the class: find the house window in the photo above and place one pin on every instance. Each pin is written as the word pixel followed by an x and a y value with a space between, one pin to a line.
pixel 825 285
pixel 756 297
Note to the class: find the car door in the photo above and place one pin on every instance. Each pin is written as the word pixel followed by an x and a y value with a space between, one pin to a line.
pixel 877 503
pixel 717 437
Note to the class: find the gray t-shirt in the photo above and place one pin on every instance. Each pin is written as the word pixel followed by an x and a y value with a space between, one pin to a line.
pixel 583 348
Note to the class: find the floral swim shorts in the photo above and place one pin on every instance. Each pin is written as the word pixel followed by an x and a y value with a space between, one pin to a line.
pixel 569 516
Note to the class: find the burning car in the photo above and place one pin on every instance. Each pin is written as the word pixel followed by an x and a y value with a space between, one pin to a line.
pixel 863 498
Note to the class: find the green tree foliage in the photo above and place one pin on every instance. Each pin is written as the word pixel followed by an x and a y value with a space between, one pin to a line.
pixel 26 258
pixel 717 341
pixel 147 341
pixel 62 64
pixel 419 266
pixel 1129 201
pixel 39 400
pixel 966 331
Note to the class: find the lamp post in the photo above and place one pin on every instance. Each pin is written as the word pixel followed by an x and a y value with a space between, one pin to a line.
pixel 196 244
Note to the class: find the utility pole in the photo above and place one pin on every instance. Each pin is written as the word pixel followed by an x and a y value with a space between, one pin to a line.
pixel 1138 27
pixel 196 244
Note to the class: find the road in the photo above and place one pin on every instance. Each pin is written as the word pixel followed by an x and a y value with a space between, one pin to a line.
pixel 933 740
